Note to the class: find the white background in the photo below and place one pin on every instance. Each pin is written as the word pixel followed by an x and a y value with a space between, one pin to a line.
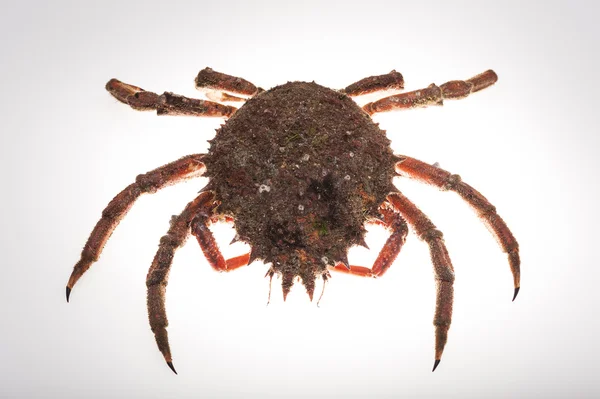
pixel 529 144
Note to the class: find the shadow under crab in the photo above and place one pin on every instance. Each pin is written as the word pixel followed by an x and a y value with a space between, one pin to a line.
pixel 299 169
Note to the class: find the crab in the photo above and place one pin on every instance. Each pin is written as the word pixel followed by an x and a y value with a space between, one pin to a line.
pixel 300 169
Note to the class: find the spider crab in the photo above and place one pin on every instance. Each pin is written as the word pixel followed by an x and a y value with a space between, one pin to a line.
pixel 299 169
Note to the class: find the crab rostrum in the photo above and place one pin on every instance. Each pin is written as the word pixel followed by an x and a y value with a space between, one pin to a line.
pixel 299 169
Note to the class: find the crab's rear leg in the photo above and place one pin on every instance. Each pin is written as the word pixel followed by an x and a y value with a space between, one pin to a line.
pixel 222 87
pixel 444 180
pixel 166 103
pixel 433 94
pixel 403 210
pixel 196 213
pixel 389 81
pixel 158 275
pixel 171 173
pixel 442 267
pixel 393 221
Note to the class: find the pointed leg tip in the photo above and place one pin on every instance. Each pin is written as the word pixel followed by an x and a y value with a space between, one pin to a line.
pixel 68 293
pixel 516 293
pixel 170 364
pixel 435 364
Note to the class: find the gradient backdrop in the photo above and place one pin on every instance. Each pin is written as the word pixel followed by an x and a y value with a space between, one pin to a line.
pixel 529 143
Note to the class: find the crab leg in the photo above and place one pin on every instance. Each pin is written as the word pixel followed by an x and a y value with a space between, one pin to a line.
pixel 171 173
pixel 196 212
pixel 394 221
pixel 442 267
pixel 236 262
pixel 218 82
pixel 404 209
pixel 209 246
pixel 156 281
pixel 444 180
pixel 166 103
pixel 433 94
pixel 389 81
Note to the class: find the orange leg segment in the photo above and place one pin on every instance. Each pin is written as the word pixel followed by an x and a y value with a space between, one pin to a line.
pixel 209 246
pixel 390 250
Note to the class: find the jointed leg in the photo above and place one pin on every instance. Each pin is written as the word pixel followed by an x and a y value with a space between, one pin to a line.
pixel 158 274
pixel 444 180
pixel 171 173
pixel 210 248
pixel 433 95
pixel 442 267
pixel 389 81
pixel 196 213
pixel 390 250
pixel 166 103
pixel 220 82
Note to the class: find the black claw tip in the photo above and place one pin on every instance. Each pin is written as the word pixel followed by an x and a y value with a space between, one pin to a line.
pixel 437 362
pixel 68 293
pixel 516 293
pixel 170 364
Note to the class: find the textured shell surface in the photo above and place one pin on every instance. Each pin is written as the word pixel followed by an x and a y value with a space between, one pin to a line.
pixel 300 167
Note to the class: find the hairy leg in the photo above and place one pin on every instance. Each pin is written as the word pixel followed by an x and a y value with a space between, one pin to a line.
pixel 389 81
pixel 197 211
pixel 166 103
pixel 220 82
pixel 171 173
pixel 158 275
pixel 442 267
pixel 433 94
pixel 444 180
pixel 393 221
